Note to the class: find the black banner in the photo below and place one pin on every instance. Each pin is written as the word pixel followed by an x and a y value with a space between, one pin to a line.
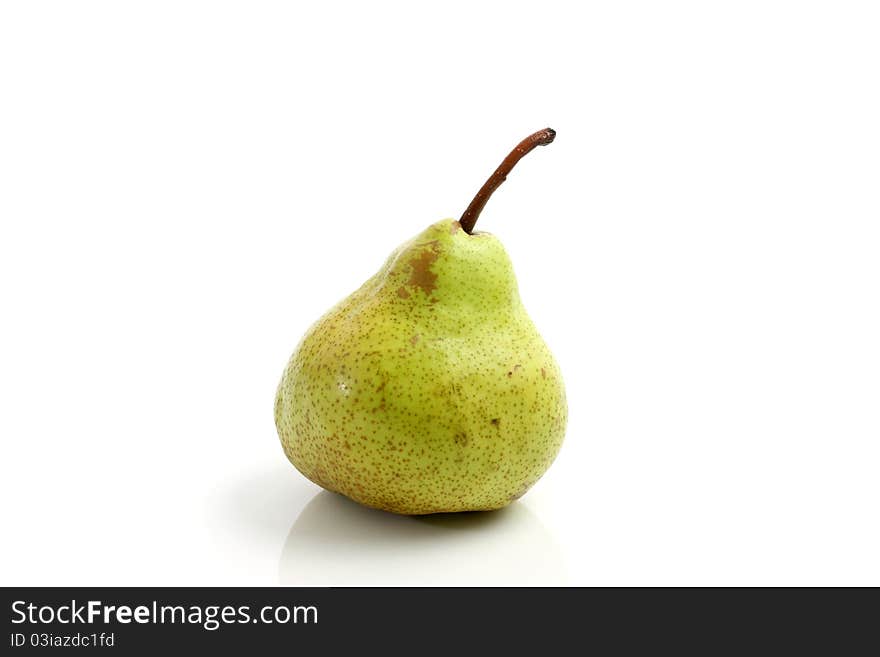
pixel 396 621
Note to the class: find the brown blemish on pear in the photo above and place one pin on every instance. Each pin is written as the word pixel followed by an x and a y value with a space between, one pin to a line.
pixel 421 275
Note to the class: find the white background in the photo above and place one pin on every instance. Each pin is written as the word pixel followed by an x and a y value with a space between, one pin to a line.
pixel 186 186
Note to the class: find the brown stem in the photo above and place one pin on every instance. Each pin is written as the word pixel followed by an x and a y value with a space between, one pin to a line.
pixel 470 216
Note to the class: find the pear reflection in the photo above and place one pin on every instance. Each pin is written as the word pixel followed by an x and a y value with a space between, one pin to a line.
pixel 336 542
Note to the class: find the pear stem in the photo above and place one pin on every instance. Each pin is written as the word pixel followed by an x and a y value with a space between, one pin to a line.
pixel 469 218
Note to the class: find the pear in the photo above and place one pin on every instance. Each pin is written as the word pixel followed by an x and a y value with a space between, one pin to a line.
pixel 429 389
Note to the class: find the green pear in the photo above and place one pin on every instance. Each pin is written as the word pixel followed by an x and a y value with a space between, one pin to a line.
pixel 429 389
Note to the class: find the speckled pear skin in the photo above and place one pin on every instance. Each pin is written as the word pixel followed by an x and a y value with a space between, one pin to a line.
pixel 428 389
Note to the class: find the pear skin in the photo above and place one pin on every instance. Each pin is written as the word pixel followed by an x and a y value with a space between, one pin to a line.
pixel 428 389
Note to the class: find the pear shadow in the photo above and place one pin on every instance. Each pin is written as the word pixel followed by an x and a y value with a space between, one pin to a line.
pixel 336 542
pixel 257 505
